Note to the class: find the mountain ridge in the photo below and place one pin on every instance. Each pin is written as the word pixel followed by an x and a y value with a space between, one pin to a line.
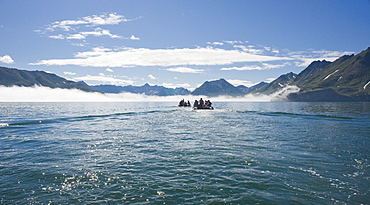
pixel 223 88
pixel 347 76
pixel 16 77
pixel 345 79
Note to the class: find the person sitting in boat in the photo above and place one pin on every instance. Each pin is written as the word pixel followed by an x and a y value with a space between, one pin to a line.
pixel 201 103
pixel 181 103
pixel 208 104
pixel 196 104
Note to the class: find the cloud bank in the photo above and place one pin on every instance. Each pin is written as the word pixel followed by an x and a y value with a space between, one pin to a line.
pixel 45 94
pixel 265 66
pixel 128 57
pixel 185 70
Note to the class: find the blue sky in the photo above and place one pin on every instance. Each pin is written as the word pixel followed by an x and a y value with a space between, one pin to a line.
pixel 178 43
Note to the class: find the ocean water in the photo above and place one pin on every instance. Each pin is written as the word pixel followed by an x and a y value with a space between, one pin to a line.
pixel 158 153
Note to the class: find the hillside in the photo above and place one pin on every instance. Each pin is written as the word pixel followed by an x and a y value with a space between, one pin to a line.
pixel 14 77
pixel 345 79
pixel 348 76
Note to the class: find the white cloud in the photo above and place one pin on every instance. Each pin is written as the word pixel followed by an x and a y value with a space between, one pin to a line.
pixel 109 70
pixel 305 58
pixel 265 66
pixel 105 19
pixel 6 59
pixel 233 42
pixel 78 44
pixel 59 36
pixel 134 37
pixel 304 62
pixel 94 20
pixel 172 85
pixel 275 51
pixel 80 29
pixel 183 85
pixel 249 49
pixel 185 70
pixel 127 57
pixel 216 43
pixel 269 80
pixel 100 32
pixel 329 54
pixel 253 67
pixel 76 36
pixel 69 73
pixel 240 82
pixel 97 51
pixel 151 77
pixel 82 35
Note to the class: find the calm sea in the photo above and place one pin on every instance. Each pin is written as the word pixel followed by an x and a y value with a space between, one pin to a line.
pixel 158 153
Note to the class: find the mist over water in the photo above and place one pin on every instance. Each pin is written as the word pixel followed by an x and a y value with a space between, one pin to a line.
pixel 284 92
pixel 46 94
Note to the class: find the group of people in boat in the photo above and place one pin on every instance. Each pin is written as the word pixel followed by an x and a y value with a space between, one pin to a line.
pixel 183 103
pixel 201 104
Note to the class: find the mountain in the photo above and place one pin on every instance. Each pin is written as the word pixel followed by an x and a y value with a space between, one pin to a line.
pixel 211 89
pixel 345 79
pixel 217 88
pixel 145 89
pixel 222 87
pixel 14 77
pixel 347 75
pixel 277 84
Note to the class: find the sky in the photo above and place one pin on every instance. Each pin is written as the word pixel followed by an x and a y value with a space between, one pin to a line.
pixel 179 43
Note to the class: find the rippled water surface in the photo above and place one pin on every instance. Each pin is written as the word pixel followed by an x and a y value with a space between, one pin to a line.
pixel 158 153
